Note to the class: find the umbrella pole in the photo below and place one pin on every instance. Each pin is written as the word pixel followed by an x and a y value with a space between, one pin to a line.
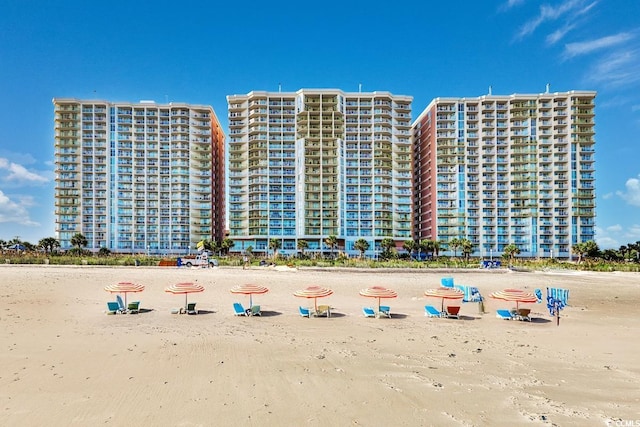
pixel 185 301
pixel 250 300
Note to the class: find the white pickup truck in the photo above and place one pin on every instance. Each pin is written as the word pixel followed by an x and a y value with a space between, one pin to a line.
pixel 201 260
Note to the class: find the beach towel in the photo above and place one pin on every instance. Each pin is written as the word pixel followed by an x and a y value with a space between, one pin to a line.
pixel 560 294
pixel 471 293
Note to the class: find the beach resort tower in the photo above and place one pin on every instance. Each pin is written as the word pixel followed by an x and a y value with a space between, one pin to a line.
pixel 138 177
pixel 514 169
pixel 316 163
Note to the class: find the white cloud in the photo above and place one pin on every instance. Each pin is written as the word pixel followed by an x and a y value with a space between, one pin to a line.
pixel 551 13
pixel 614 236
pixel 558 34
pixel 581 48
pixel 632 193
pixel 620 68
pixel 512 3
pixel 635 108
pixel 614 228
pixel 19 173
pixel 15 212
pixel 607 196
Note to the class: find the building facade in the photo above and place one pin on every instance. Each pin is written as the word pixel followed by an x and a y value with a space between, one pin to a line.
pixel 138 177
pixel 507 169
pixel 311 164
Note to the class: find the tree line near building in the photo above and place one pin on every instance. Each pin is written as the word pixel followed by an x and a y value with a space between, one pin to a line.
pixel 585 253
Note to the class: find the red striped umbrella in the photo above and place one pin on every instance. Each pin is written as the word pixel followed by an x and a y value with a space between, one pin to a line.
pixel 184 288
pixel 378 292
pixel 515 295
pixel 249 289
pixel 124 288
pixel 314 292
pixel 444 293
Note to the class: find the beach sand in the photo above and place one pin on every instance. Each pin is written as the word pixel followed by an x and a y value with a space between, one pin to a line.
pixel 65 362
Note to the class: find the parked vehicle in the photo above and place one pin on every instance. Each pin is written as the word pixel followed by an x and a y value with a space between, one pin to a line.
pixel 200 260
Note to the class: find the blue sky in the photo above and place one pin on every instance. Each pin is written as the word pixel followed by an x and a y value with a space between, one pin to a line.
pixel 196 53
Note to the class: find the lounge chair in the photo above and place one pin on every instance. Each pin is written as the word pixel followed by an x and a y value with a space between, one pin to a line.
pixel 304 312
pixel 191 308
pixel 323 310
pixel 368 312
pixel 453 312
pixel 431 311
pixel 504 314
pixel 385 310
pixel 255 311
pixel 238 309
pixel 133 307
pixel 112 307
pixel 523 314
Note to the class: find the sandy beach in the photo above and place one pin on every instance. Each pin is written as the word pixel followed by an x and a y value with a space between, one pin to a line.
pixel 65 362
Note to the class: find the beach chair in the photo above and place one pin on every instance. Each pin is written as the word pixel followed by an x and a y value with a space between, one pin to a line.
pixel 323 310
pixel 524 314
pixel 453 312
pixel 112 307
pixel 133 307
pixel 304 312
pixel 255 311
pixel 431 311
pixel 121 307
pixel 446 282
pixel 238 309
pixel 385 310
pixel 368 312
pixel 504 314
pixel 191 308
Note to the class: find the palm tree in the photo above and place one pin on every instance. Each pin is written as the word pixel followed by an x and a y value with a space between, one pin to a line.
pixel 275 244
pixel 331 242
pixel 454 244
pixel 302 245
pixel 79 240
pixel 436 248
pixel 467 248
pixel 226 245
pixel 387 244
pixel 510 251
pixel 49 244
pixel 361 245
pixel 410 246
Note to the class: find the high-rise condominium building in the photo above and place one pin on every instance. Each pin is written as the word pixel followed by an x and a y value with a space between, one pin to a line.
pixel 311 164
pixel 142 177
pixel 507 169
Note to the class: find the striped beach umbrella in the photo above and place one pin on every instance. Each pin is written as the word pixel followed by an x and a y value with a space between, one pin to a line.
pixel 378 292
pixel 444 293
pixel 515 295
pixel 249 289
pixel 184 288
pixel 314 292
pixel 124 288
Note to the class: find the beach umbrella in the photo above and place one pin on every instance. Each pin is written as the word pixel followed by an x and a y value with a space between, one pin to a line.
pixel 444 293
pixel 249 289
pixel 314 292
pixel 124 288
pixel 378 292
pixel 515 295
pixel 184 288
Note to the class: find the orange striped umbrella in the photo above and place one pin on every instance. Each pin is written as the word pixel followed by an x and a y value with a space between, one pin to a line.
pixel 314 292
pixel 249 289
pixel 124 288
pixel 515 295
pixel 378 292
pixel 184 288
pixel 444 293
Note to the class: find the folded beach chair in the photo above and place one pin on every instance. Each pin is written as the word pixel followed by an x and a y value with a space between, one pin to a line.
pixel 368 312
pixel 431 311
pixel 133 307
pixel 112 307
pixel 504 314
pixel 304 312
pixel 121 307
pixel 453 312
pixel 255 310
pixel 191 308
pixel 559 294
pixel 447 282
pixel 385 310
pixel 238 309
